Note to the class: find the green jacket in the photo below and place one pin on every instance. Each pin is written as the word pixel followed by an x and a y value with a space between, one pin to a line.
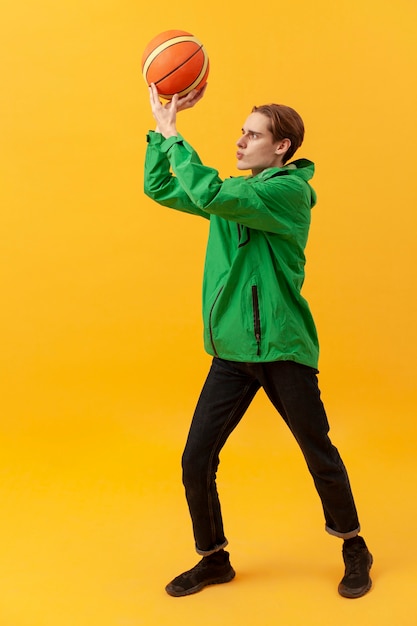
pixel 253 310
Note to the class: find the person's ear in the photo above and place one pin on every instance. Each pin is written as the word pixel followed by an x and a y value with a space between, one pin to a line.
pixel 283 146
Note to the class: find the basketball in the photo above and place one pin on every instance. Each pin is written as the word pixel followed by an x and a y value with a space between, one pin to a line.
pixel 176 62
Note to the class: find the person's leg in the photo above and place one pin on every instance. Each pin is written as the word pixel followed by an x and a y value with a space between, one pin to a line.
pixel 226 395
pixel 294 391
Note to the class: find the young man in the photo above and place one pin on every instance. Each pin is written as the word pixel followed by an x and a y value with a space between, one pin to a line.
pixel 257 326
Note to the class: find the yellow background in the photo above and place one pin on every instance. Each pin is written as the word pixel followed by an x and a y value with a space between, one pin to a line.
pixel 100 331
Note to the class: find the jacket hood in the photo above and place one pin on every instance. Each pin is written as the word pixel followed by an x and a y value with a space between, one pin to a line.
pixel 301 168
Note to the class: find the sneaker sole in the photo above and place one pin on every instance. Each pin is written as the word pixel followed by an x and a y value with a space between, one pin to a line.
pixel 177 593
pixel 346 592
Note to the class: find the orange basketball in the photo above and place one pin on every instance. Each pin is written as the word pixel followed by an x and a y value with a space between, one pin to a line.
pixel 176 62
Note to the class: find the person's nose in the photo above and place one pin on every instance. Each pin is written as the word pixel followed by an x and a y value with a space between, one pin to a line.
pixel 241 142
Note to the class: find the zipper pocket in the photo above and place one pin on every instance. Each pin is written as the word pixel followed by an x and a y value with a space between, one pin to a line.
pixel 210 317
pixel 256 318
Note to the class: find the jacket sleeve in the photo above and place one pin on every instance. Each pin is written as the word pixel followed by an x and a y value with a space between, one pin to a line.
pixel 280 204
pixel 159 182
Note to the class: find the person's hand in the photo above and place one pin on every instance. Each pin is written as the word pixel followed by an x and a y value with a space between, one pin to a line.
pixel 166 114
pixel 191 99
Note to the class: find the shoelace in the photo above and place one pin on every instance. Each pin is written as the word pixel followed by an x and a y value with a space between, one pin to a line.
pixel 353 565
pixel 201 565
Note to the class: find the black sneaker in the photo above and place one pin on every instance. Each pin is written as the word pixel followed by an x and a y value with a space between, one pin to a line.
pixel 358 561
pixel 211 570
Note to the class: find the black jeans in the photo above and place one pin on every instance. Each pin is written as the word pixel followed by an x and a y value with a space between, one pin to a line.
pixel 227 393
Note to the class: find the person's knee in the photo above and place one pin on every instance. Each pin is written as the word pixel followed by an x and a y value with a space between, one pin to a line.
pixel 195 468
pixel 191 468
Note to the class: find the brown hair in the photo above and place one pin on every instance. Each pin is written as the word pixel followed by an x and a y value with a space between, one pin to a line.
pixel 284 123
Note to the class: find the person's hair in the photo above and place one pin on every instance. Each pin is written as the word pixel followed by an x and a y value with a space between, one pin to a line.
pixel 284 123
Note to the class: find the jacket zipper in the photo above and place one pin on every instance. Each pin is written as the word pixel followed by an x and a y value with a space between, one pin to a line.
pixel 256 318
pixel 210 317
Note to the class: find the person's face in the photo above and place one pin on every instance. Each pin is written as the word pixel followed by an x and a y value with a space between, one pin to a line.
pixel 257 148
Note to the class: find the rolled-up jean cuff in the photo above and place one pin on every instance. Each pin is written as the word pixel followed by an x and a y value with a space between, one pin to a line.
pixel 215 549
pixel 348 535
